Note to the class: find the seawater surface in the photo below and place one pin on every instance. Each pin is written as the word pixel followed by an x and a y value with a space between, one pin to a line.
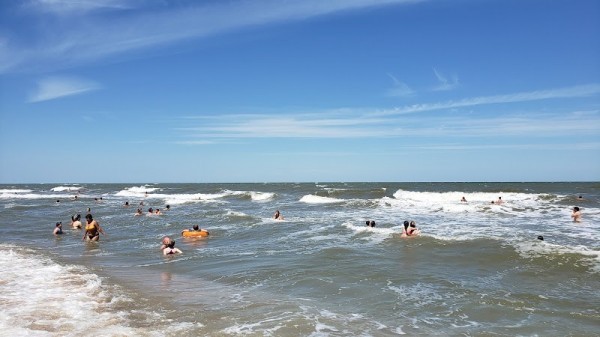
pixel 477 269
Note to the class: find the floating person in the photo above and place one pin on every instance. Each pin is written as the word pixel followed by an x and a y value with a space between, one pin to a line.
pixel 57 201
pixel 157 212
pixel 138 212
pixel 576 215
pixel 580 198
pixel 195 231
pixel 58 229
pixel 277 215
pixel 370 223
pixel 126 204
pixel 168 207
pixel 92 229
pixel 541 238
pixel 463 199
pixel 171 250
pixel 76 221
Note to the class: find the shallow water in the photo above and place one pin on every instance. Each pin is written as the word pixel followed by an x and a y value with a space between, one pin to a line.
pixel 477 269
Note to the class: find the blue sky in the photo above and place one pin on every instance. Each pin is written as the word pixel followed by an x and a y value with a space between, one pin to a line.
pixel 295 91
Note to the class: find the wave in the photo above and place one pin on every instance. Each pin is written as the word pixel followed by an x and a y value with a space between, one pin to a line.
pixel 136 191
pixel 66 188
pixel 14 191
pixel 315 199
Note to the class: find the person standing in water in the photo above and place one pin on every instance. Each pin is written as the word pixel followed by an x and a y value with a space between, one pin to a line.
pixel 170 249
pixel 576 215
pixel 278 215
pixel 58 229
pixel 76 221
pixel 92 229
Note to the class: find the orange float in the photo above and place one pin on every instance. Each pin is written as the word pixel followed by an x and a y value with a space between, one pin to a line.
pixel 194 234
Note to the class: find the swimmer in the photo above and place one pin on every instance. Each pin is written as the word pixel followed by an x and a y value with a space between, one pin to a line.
pixel 150 211
pixel 138 212
pixel 126 204
pixel 92 229
pixel 171 250
pixel 541 238
pixel 168 207
pixel 463 199
pixel 58 229
pixel 410 229
pixel 370 223
pixel 576 215
pixel 158 212
pixel 76 221
pixel 499 201
pixel 278 215
pixel 166 241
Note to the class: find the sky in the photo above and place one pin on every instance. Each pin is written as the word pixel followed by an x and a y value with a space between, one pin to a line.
pixel 160 91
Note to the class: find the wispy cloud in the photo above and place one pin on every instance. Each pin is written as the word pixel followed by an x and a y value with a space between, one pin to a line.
pixel 445 84
pixel 56 87
pixel 87 38
pixel 570 92
pixel 399 89
pixel 78 7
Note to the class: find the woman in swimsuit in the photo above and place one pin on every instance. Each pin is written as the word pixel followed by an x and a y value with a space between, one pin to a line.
pixel 92 229
pixel 171 250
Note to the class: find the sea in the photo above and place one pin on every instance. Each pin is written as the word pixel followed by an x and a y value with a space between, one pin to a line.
pixel 477 269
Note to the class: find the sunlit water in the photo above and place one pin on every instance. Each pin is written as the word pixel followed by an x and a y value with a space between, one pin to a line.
pixel 477 269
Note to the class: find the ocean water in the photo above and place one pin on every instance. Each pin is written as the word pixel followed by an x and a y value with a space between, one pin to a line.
pixel 477 269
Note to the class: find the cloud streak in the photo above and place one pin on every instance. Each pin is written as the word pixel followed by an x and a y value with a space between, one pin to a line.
pixel 88 38
pixel 570 92
pixel 57 87
pixel 445 84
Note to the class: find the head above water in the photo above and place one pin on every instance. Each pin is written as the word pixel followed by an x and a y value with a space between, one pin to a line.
pixel 89 217
pixel 576 209
pixel 195 227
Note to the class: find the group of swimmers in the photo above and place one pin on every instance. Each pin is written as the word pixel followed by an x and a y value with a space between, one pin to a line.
pixel 409 229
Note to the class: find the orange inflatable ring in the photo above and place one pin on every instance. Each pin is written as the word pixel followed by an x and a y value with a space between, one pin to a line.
pixel 191 234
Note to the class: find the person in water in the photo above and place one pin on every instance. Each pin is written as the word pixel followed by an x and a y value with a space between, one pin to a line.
pixel 166 241
pixel 499 201
pixel 171 250
pixel 370 223
pixel 278 215
pixel 92 229
pixel 463 199
pixel 410 229
pixel 138 212
pixel 158 212
pixel 576 215
pixel 58 229
pixel 76 221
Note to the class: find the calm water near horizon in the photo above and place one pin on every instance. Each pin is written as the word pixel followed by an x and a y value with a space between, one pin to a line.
pixel 478 269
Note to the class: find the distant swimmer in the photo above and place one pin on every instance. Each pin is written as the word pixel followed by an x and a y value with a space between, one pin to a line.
pixel 541 238
pixel 580 198
pixel 150 211
pixel 126 204
pixel 499 201
pixel 92 229
pixel 278 215
pixel 370 223
pixel 138 212
pixel 168 207
pixel 171 250
pixel 463 199
pixel 576 215
pixel 157 212
pixel 58 229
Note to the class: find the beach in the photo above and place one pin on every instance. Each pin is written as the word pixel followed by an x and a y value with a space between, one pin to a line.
pixel 477 269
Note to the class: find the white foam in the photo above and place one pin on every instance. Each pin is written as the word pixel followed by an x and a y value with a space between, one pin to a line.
pixel 40 297
pixel 315 199
pixel 13 191
pixel 66 188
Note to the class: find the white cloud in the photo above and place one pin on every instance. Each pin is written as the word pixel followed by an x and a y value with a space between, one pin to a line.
pixel 399 89
pixel 56 87
pixel 73 7
pixel 445 84
pixel 570 92
pixel 93 37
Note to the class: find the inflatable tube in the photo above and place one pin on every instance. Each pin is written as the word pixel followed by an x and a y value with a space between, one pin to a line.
pixel 194 234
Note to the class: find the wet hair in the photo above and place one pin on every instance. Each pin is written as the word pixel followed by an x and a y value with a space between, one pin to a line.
pixel 406 223
pixel 58 224
pixel 89 216
pixel 540 237
pixel 150 209
pixel 413 224
pixel 195 227
pixel 576 209
pixel 171 244
pixel 368 223
pixel 372 224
